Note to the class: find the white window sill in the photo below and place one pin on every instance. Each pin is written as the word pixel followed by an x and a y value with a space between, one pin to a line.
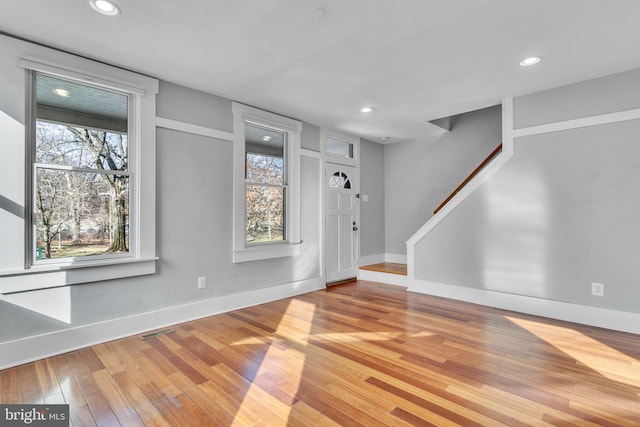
pixel 256 253
pixel 53 275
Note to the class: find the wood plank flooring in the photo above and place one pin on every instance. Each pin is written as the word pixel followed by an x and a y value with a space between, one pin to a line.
pixel 359 354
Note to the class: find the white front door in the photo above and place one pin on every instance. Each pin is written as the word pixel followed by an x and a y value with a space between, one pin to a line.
pixel 341 229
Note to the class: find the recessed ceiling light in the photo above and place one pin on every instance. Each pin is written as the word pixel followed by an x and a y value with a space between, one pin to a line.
pixel 266 138
pixel 61 92
pixel 532 60
pixel 105 7
pixel 366 109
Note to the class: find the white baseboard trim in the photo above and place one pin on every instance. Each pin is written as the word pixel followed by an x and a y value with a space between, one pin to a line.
pixel 388 278
pixel 396 258
pixel 371 259
pixel 586 315
pixel 378 258
pixel 29 349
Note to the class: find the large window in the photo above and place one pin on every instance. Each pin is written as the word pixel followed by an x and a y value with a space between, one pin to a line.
pixel 78 172
pixel 266 188
pixel 81 171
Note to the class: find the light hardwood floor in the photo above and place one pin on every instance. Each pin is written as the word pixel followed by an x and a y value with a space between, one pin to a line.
pixel 387 267
pixel 356 354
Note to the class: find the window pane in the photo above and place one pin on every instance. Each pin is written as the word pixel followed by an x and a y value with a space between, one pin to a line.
pixel 264 154
pixel 80 214
pixel 339 180
pixel 263 140
pixel 339 148
pixel 265 214
pixel 265 169
pixel 60 144
pixel 80 105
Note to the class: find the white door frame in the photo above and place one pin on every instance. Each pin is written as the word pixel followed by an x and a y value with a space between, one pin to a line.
pixel 353 162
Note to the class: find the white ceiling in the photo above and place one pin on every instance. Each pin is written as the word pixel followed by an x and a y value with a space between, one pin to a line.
pixel 321 60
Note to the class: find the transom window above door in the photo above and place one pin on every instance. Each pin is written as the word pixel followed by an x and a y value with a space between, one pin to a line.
pixel 340 148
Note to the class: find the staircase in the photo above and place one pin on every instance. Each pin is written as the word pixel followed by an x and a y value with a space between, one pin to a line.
pixel 395 273
pixel 384 272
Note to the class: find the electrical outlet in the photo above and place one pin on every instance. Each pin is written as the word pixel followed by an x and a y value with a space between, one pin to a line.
pixel 202 282
pixel 597 289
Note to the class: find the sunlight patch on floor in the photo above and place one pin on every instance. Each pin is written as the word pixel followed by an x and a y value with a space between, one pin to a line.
pixel 586 351
pixel 249 341
pixel 296 326
pixel 367 336
pixel 299 316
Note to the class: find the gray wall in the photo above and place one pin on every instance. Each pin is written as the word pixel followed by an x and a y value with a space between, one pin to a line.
pixel 419 175
pixel 372 224
pixel 194 229
pixel 562 213
pixel 610 94
pixel 310 138
pixel 195 107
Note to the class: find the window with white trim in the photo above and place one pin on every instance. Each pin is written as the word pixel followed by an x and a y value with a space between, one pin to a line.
pixel 266 185
pixel 89 174
pixel 340 148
